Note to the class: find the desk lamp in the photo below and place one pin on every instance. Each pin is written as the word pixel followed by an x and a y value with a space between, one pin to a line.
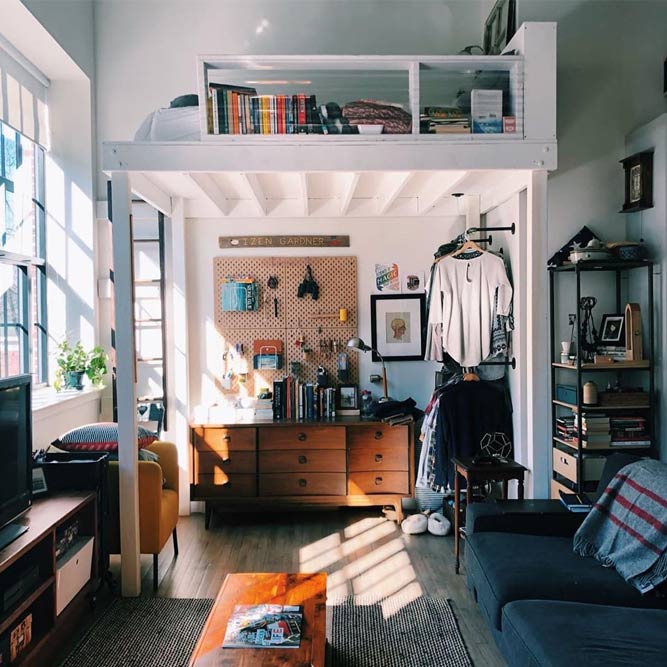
pixel 359 345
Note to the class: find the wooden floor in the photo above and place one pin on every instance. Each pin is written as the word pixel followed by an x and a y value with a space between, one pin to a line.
pixel 361 551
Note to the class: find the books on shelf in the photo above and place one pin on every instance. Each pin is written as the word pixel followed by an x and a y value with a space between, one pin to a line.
pixel 240 110
pixel 296 400
pixel 576 502
pixel 264 626
pixel 444 120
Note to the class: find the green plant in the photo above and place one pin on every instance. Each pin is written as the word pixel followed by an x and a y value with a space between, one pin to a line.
pixel 75 359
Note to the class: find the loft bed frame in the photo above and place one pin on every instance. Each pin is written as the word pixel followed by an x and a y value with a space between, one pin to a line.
pixel 184 180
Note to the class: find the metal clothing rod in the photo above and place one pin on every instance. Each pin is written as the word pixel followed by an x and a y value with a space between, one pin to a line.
pixel 488 239
pixel 510 362
pixel 511 229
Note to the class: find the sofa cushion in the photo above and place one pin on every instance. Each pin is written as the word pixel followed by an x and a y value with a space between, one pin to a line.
pixel 503 567
pixel 569 634
pixel 99 437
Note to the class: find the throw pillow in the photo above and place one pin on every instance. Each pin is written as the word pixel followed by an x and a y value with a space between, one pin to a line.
pixel 99 437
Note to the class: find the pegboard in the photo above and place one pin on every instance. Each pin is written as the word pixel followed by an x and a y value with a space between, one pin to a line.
pixel 317 322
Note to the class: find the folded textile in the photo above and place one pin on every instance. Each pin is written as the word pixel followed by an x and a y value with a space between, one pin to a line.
pixel 395 119
pixel 627 527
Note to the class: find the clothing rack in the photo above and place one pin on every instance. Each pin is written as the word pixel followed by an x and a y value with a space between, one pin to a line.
pixel 511 229
pixel 508 362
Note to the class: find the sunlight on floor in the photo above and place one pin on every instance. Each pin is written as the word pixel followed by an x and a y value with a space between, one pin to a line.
pixel 367 559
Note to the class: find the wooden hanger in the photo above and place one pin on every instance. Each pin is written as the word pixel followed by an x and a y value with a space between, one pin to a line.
pixel 468 245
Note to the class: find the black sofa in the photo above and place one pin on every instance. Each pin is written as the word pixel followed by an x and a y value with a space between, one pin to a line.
pixel 547 606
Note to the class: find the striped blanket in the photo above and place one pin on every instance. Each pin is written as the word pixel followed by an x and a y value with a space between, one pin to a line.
pixel 627 527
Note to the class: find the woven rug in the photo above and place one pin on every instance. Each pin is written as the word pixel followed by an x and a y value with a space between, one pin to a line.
pixel 162 632
pixel 418 633
pixel 142 632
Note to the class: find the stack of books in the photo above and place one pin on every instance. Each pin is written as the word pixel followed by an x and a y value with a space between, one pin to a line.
pixel 629 431
pixel 616 353
pixel 594 430
pixel 296 400
pixel 240 110
pixel 566 429
pixel 444 120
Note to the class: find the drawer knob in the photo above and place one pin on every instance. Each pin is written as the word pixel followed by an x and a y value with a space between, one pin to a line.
pixel 226 459
pixel 563 460
pixel 302 436
pixel 226 438
pixel 378 481
pixel 303 482
pixel 378 458
pixel 303 459
pixel 378 435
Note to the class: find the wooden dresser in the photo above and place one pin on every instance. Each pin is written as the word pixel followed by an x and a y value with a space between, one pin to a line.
pixel 263 465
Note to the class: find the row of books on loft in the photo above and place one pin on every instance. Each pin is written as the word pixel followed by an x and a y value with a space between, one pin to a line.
pixel 600 431
pixel 296 400
pixel 240 110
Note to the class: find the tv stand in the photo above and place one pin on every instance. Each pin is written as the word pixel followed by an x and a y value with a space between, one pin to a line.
pixel 10 532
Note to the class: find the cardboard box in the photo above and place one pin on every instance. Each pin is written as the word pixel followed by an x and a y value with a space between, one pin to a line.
pixel 509 124
pixel 487 111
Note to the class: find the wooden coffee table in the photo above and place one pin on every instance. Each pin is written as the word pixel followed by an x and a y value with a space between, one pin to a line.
pixel 308 590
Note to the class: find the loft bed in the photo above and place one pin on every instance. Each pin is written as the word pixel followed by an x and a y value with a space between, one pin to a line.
pixel 314 175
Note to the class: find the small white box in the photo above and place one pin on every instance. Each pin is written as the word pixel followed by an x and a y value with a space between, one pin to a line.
pixel 73 571
pixel 486 107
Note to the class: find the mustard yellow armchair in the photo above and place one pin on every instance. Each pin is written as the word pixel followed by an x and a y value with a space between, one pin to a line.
pixel 158 504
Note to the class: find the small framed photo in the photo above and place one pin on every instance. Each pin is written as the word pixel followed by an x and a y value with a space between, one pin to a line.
pixel 638 182
pixel 397 326
pixel 612 330
pixel 499 27
pixel 348 397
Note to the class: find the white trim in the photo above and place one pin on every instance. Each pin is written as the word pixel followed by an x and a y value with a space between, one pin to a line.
pixel 209 188
pixel 145 189
pixel 14 53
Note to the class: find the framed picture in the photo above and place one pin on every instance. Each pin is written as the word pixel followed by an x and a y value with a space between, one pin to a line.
pixel 348 397
pixel 499 27
pixel 612 330
pixel 638 182
pixel 397 326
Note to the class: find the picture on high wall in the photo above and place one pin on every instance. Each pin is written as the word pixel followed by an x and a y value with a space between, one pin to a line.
pixel 397 326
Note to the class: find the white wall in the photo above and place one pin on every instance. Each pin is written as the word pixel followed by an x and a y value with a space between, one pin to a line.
pixel 371 241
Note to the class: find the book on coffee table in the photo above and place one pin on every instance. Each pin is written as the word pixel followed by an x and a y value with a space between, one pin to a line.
pixel 264 626
pixel 576 502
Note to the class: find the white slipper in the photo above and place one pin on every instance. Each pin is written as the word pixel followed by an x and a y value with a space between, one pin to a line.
pixel 438 524
pixel 414 524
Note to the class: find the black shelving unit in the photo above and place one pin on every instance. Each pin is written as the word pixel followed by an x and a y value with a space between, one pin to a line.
pixel 618 269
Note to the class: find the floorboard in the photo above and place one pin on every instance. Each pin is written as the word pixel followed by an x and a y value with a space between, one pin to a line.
pixel 361 551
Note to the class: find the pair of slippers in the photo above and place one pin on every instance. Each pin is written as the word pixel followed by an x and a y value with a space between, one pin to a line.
pixel 434 523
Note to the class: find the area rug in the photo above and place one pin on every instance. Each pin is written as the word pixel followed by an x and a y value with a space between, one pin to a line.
pixel 142 632
pixel 395 633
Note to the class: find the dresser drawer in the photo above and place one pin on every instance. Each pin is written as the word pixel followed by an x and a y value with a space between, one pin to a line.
pixel 297 460
pixel 556 488
pixel 363 483
pixel 302 484
pixel 375 435
pixel 209 463
pixel 221 485
pixel 207 439
pixel 302 437
pixel 565 464
pixel 378 458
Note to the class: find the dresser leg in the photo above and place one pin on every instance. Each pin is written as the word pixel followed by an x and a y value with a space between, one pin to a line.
pixel 398 507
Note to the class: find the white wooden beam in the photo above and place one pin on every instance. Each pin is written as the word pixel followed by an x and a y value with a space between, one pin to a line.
pixel 206 184
pixel 447 184
pixel 505 185
pixel 396 184
pixel 256 192
pixel 350 185
pixel 303 187
pixel 143 187
pixel 128 491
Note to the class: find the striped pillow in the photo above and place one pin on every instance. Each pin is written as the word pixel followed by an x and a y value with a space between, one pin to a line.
pixel 99 437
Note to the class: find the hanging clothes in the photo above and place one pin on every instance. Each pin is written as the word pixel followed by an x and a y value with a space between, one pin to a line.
pixel 467 291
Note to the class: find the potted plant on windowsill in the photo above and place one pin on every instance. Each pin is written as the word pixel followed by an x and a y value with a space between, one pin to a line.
pixel 74 362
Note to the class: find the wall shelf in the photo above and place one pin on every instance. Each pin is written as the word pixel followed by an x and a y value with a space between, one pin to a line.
pixel 645 364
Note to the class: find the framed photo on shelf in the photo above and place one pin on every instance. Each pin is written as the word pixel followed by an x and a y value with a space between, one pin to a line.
pixel 612 330
pixel 348 397
pixel 397 326
pixel 499 27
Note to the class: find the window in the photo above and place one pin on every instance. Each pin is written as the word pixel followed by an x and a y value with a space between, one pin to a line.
pixel 23 332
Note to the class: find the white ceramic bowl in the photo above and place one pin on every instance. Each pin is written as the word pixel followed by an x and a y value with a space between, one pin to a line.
pixel 370 129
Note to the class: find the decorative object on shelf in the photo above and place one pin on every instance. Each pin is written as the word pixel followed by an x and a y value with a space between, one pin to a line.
pixel 397 326
pixel 359 345
pixel 594 250
pixel 633 333
pixel 347 397
pixel 309 286
pixel 589 334
pixel 581 238
pixel 565 347
pixel 628 251
pixel 638 182
pixel 74 362
pixel 267 354
pixel 499 27
pixel 590 395
pixel 612 330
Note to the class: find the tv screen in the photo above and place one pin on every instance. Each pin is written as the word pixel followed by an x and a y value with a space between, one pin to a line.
pixel 15 447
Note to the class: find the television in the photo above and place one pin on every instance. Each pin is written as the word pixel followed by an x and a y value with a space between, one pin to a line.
pixel 15 455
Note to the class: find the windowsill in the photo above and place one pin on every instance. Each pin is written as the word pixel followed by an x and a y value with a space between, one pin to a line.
pixel 47 400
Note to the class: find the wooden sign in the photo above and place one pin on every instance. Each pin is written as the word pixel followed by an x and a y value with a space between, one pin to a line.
pixel 302 241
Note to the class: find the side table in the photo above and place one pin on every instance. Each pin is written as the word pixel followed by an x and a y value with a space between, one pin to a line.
pixel 477 473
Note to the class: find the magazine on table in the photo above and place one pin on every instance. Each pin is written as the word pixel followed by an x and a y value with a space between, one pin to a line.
pixel 264 626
